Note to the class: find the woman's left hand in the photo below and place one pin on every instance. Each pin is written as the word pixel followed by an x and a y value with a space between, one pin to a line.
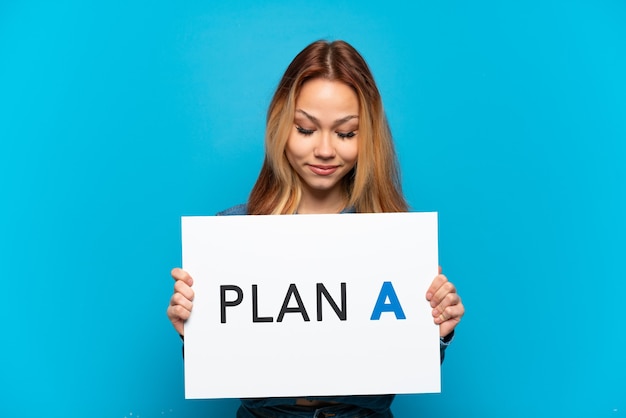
pixel 446 303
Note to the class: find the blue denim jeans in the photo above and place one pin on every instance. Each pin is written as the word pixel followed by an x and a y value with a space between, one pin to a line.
pixel 295 411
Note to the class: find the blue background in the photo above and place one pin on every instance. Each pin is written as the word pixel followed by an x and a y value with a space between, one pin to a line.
pixel 116 118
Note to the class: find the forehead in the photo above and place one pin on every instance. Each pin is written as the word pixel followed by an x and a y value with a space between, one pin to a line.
pixel 323 96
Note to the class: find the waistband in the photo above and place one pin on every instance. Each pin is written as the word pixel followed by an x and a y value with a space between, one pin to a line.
pixel 296 411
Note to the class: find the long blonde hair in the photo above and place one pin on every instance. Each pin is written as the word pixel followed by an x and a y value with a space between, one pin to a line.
pixel 374 184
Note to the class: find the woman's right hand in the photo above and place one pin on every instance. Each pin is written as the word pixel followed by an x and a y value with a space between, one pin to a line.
pixel 181 301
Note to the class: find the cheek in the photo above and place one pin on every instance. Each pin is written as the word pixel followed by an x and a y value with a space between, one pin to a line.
pixel 297 147
pixel 292 152
pixel 350 152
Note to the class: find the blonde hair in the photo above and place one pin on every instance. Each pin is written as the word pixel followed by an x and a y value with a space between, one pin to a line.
pixel 374 184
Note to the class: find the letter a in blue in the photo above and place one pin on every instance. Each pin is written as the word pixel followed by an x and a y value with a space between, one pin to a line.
pixel 387 292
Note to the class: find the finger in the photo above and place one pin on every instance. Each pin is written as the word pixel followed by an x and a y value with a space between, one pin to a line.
pixel 438 281
pixel 439 269
pixel 180 274
pixel 179 300
pixel 450 299
pixel 450 314
pixel 182 288
pixel 439 289
pixel 441 293
pixel 177 313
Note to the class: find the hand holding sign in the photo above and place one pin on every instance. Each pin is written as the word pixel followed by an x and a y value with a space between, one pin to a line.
pixel 446 303
pixel 180 305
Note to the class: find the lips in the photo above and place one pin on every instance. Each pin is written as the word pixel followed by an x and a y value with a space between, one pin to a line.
pixel 323 170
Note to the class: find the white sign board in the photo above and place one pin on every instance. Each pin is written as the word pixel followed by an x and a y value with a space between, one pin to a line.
pixel 311 305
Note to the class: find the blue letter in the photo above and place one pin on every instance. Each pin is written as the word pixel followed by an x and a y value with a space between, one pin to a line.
pixel 387 292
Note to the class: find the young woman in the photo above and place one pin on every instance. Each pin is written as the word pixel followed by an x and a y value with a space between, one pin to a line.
pixel 328 150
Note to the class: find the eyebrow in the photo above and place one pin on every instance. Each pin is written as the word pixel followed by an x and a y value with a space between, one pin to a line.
pixel 335 124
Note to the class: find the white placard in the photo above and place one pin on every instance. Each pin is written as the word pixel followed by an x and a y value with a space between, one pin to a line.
pixel 286 305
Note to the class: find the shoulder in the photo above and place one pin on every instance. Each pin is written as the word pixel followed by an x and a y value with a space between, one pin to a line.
pixel 235 210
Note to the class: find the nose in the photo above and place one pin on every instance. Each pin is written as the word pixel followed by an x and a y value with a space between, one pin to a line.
pixel 324 148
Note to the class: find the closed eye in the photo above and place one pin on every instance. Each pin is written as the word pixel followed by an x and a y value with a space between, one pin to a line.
pixel 304 131
pixel 345 135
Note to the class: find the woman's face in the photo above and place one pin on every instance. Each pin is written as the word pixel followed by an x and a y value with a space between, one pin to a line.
pixel 322 145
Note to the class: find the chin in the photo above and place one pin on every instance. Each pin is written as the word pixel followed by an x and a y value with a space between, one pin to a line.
pixel 322 186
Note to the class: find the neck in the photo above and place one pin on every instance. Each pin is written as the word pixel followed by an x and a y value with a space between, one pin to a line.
pixel 333 202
